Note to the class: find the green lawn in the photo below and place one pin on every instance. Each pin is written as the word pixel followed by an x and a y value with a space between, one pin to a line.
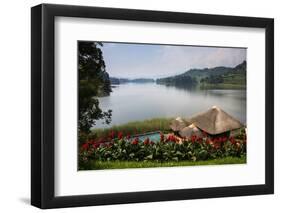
pixel 97 165
pixel 136 127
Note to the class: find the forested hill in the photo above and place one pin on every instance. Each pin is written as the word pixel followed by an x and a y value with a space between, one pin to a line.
pixel 114 80
pixel 209 77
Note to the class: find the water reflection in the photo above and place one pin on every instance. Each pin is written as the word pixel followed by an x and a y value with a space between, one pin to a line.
pixel 131 102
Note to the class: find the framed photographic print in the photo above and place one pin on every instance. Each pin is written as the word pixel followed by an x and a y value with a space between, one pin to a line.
pixel 139 106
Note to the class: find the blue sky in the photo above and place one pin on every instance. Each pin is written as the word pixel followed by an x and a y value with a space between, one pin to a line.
pixel 153 61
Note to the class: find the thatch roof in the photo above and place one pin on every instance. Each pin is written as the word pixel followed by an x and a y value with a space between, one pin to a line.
pixel 215 121
pixel 178 124
pixel 190 131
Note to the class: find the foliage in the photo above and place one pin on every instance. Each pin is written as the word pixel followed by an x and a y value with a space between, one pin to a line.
pixel 235 78
pixel 213 79
pixel 170 148
pixel 93 82
pixel 178 80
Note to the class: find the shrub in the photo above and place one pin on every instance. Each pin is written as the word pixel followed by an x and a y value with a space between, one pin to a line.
pixel 168 148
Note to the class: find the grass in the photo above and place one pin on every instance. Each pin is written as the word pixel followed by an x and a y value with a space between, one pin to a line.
pixel 98 165
pixel 136 127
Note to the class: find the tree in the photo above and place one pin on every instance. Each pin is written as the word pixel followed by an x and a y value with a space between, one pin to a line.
pixel 212 79
pixel 93 82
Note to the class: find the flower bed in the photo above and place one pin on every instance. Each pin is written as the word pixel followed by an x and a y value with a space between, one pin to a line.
pixel 169 148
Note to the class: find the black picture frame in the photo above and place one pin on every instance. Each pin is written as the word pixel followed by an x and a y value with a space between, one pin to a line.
pixel 43 110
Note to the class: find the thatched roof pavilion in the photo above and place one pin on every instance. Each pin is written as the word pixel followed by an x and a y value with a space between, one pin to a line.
pixel 178 124
pixel 189 131
pixel 215 121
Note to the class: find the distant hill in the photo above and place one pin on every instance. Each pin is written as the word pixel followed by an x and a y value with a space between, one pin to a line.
pixel 114 80
pixel 217 77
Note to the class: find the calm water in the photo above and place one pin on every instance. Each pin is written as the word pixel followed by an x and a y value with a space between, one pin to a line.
pixel 133 101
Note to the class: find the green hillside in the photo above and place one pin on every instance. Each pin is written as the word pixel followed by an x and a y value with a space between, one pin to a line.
pixel 217 77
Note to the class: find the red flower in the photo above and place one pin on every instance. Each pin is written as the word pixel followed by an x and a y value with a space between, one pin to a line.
pixel 232 140
pixel 120 135
pixel 168 138
pixel 222 139
pixel 135 141
pixel 193 138
pixel 171 138
pixel 161 137
pixel 111 135
pixel 204 133
pixel 96 145
pixel 85 146
pixel 146 141
pixel 128 137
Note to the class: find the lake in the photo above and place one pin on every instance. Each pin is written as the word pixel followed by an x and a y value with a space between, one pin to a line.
pixel 136 101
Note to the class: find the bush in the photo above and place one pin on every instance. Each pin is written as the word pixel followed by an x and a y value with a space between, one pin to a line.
pixel 169 148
